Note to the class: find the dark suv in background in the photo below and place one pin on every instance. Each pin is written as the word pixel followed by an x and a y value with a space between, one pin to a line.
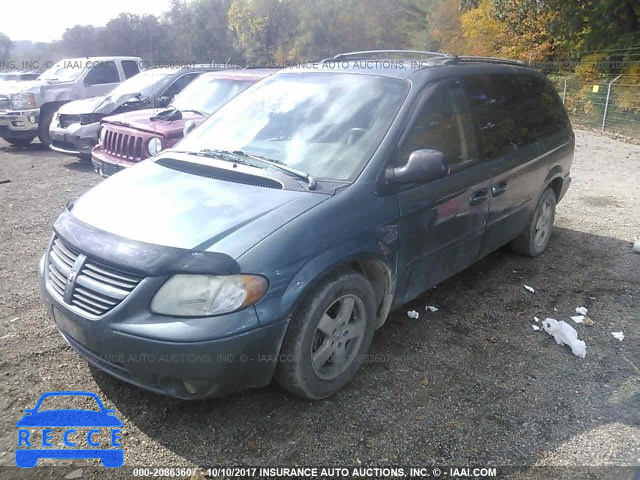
pixel 276 237
pixel 74 129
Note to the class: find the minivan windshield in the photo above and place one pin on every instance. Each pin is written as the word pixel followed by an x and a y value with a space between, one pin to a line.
pixel 325 124
pixel 207 94
pixel 144 83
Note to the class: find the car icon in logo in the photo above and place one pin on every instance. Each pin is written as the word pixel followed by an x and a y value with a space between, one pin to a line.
pixel 27 455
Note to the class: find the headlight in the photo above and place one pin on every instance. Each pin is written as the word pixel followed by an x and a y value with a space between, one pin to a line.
pixel 154 147
pixel 101 136
pixel 205 295
pixel 22 101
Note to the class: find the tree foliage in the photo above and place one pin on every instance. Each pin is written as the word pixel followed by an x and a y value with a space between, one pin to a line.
pixel 279 31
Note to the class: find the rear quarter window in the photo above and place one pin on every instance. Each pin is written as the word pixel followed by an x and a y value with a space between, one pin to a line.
pixel 545 113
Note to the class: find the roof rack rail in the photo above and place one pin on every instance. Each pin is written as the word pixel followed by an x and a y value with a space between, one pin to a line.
pixel 369 53
pixel 504 61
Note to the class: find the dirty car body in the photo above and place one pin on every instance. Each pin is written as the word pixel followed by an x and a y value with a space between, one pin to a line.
pixel 275 238
pixel 124 139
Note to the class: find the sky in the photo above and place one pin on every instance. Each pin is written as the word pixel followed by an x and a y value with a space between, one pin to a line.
pixel 46 20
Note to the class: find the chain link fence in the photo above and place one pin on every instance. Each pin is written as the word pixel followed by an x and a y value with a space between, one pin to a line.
pixel 606 103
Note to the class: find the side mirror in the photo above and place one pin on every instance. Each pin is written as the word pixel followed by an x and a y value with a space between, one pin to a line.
pixel 422 166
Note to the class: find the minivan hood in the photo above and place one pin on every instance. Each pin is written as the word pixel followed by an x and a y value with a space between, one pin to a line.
pixel 155 204
pixel 80 107
pixel 142 120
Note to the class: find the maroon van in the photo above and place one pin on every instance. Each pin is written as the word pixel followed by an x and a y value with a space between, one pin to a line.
pixel 128 138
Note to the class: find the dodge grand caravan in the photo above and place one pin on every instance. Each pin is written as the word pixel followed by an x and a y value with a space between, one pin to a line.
pixel 277 237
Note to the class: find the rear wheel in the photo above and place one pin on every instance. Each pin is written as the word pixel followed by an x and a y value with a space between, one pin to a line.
pixel 536 236
pixel 327 337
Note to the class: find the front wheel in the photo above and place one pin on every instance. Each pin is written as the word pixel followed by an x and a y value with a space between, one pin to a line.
pixel 327 337
pixel 537 234
pixel 46 118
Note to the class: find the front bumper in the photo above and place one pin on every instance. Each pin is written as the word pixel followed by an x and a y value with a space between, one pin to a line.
pixel 19 123
pixel 217 363
pixel 76 139
pixel 106 165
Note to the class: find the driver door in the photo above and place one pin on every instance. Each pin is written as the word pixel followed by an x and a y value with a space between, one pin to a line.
pixel 441 222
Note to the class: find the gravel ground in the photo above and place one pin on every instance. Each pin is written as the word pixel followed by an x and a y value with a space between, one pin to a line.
pixel 472 384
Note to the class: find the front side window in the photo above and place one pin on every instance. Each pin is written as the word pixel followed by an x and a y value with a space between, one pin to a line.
pixel 325 124
pixel 443 123
pixel 102 73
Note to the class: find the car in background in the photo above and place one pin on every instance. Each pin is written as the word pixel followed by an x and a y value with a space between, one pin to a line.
pixel 18 76
pixel 128 138
pixel 74 129
pixel 27 107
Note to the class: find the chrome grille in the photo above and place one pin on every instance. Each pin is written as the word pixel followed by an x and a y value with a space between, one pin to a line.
pixel 123 145
pixel 97 287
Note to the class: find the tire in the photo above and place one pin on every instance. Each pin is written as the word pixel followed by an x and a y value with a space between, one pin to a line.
pixel 84 157
pixel 535 237
pixel 315 360
pixel 43 126
pixel 19 142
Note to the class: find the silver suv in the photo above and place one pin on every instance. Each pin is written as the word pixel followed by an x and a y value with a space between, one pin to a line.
pixel 27 108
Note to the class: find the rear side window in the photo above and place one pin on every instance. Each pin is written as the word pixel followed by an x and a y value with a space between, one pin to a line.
pixel 101 73
pixel 497 105
pixel 130 68
pixel 545 112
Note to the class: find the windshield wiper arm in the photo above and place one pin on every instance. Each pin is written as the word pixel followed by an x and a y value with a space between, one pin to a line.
pixel 225 155
pixel 311 181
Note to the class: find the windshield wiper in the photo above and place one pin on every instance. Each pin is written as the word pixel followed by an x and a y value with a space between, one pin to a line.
pixel 236 157
pixel 225 155
pixel 311 181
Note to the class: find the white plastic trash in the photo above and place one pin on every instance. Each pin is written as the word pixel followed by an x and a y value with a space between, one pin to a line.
pixel 618 335
pixel 581 310
pixel 413 314
pixel 565 334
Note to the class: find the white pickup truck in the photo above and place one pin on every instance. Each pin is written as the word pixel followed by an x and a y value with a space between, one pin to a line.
pixel 27 108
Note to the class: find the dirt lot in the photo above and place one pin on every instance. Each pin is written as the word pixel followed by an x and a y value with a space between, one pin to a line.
pixel 472 384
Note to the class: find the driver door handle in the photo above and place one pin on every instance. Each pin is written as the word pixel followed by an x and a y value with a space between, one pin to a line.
pixel 479 197
pixel 499 189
